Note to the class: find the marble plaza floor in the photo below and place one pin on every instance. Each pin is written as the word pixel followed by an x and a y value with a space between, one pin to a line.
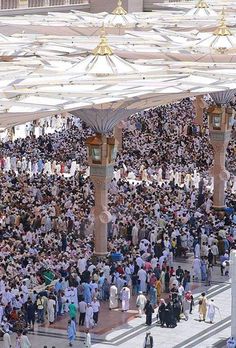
pixel 125 330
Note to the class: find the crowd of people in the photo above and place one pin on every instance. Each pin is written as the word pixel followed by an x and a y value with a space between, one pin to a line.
pixel 161 204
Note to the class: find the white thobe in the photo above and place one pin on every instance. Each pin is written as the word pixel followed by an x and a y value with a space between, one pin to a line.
pixel 211 311
pixel 141 302
pixel 51 310
pixel 89 317
pixel 142 277
pixel 82 265
pixel 125 297
pixel 6 340
pixel 113 297
pixel 135 235
pixel 73 168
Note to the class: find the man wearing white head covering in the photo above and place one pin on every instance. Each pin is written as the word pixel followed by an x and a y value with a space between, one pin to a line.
pixel 211 311
pixel 89 322
pixel 140 303
pixel 142 274
pixel 113 300
pixel 125 297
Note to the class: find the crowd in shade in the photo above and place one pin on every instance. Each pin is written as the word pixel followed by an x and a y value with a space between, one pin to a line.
pixel 161 204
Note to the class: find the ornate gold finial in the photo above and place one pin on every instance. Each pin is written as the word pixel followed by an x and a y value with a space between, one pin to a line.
pixel 119 10
pixel 103 48
pixel 222 29
pixel 202 4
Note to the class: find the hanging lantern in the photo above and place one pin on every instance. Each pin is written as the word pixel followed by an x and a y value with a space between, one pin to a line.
pixel 94 144
pixel 215 118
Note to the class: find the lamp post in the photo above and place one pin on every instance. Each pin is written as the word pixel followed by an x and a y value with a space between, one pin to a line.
pixel 220 125
pixel 101 155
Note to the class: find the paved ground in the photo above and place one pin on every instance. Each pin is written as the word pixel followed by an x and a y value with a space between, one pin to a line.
pixel 117 329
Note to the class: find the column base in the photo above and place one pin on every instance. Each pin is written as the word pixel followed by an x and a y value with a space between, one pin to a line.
pixel 100 254
pixel 95 258
pixel 217 208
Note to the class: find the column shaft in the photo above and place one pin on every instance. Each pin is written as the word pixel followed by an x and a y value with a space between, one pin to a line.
pixel 118 134
pixel 199 110
pixel 219 174
pixel 101 198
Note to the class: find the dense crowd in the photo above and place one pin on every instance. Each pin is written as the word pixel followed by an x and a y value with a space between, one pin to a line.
pixel 160 200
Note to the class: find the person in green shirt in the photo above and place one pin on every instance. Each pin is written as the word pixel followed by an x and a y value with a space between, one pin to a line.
pixel 72 310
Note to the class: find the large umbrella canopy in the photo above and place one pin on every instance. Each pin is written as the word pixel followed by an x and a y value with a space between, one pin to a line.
pixel 103 87
pixel 201 10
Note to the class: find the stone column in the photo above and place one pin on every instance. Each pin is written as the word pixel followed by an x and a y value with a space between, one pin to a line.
pixel 220 131
pixel 199 104
pixel 219 171
pixel 101 214
pixel 233 293
pixel 118 134
pixel 101 173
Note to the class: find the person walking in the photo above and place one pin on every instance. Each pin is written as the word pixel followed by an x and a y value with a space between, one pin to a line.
pixel 6 340
pixel 24 340
pixel 148 341
pixel 148 309
pixel 88 343
pixel 51 310
pixel 202 309
pixel 186 305
pixel 125 297
pixel 82 311
pixel 18 345
pixel 72 310
pixel 40 309
pixel 211 311
pixel 113 300
pixel 161 311
pixel 96 307
pixel 140 303
pixel 89 322
pixel 176 309
pixel 30 314
pixel 71 331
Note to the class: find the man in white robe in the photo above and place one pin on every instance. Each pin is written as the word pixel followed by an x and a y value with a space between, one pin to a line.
pixel 142 275
pixel 113 300
pixel 74 296
pixel 51 310
pixel 89 322
pixel 82 264
pixel 73 168
pixel 140 303
pixel 211 311
pixel 125 297
pixel 6 340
